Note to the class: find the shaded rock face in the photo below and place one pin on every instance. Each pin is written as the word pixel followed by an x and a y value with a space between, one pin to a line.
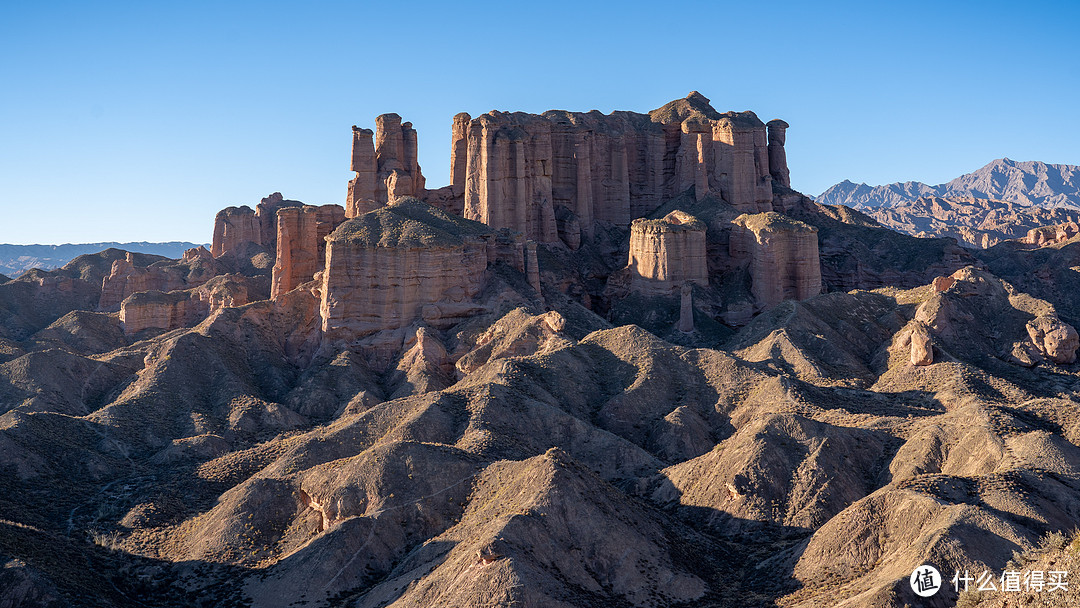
pixel 522 168
pixel 408 260
pixel 301 240
pixel 666 253
pixel 125 278
pixel 783 254
pixel 234 226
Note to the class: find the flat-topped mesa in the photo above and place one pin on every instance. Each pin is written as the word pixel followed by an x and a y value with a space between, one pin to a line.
pixel 777 156
pixel 301 244
pixel 234 226
pixel 666 253
pixel 525 170
pixel 407 261
pixel 783 257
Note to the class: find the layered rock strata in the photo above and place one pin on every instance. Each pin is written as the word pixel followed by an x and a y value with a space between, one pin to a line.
pixel 301 244
pixel 402 263
pixel 666 253
pixel 783 257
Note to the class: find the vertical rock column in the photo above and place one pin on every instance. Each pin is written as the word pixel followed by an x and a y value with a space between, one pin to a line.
pixel 532 268
pixel 361 197
pixel 777 156
pixel 459 153
pixel 686 308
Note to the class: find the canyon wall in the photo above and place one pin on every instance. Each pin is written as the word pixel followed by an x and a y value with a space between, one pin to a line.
pixel 783 257
pixel 555 176
pixel 666 253
pixel 523 171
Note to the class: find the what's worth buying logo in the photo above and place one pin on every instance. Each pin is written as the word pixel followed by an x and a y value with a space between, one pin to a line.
pixel 926 581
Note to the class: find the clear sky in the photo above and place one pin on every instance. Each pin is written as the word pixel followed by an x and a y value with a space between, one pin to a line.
pixel 131 121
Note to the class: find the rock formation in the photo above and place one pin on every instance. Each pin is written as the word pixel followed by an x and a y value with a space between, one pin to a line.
pixel 361 196
pixel 783 254
pixel 666 253
pixel 196 267
pixel 522 169
pixel 301 244
pixel 778 166
pixel 686 308
pixel 386 171
pixel 182 308
pixel 1055 340
pixel 235 226
pixel 401 263
pixel 1051 235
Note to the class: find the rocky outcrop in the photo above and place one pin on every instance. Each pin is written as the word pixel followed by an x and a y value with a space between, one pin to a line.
pixel 1051 235
pixel 778 167
pixel 234 226
pixel 783 255
pixel 401 263
pixel 385 171
pixel 666 253
pixel 361 195
pixel 183 308
pixel 521 169
pixel 301 239
pixel 195 268
pixel 1054 339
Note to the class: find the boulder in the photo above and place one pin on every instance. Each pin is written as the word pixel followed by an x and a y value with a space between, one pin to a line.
pixel 1056 340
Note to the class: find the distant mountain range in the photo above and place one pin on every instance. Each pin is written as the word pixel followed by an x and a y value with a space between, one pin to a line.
pixel 17 259
pixel 1030 183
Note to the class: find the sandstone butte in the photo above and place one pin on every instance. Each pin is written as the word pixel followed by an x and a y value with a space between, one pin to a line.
pixel 555 179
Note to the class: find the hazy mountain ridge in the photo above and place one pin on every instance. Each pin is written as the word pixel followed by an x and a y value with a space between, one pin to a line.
pixel 17 259
pixel 974 222
pixel 1030 183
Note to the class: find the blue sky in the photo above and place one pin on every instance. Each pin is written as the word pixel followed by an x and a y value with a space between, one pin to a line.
pixel 123 121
